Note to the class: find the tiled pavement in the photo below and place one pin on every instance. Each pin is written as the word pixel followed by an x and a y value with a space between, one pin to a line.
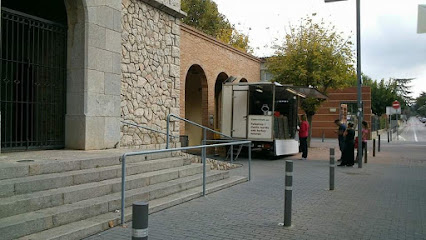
pixel 379 201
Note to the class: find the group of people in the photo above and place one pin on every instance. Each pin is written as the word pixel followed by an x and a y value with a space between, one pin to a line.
pixel 346 137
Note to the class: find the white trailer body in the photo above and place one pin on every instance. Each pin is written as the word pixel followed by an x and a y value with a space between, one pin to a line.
pixel 265 113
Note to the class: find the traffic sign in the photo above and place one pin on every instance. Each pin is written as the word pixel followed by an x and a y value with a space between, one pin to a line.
pixel 395 104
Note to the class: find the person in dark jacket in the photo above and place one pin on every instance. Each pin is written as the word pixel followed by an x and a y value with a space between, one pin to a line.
pixel 348 150
pixel 303 136
pixel 340 131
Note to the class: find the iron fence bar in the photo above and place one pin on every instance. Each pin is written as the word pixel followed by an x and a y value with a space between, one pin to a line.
pixel 125 155
pixel 203 154
pixel 147 128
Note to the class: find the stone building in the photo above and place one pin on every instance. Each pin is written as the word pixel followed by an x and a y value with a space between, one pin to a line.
pixel 72 70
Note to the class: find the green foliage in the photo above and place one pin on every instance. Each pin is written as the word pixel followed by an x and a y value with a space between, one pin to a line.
pixel 420 104
pixel 204 16
pixel 313 54
pixel 383 93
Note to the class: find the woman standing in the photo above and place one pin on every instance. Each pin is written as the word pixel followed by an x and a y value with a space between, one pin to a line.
pixel 303 136
pixel 348 151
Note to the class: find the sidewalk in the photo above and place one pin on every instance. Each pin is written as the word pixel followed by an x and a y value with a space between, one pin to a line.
pixel 383 200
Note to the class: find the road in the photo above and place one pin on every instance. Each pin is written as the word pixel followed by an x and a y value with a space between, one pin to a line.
pixel 414 131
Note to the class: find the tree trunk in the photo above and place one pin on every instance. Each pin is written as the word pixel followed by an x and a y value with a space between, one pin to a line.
pixel 309 117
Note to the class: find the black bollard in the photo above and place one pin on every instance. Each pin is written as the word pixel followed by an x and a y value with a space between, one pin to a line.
pixel 288 192
pixel 388 136
pixel 365 153
pixel 374 147
pixel 378 145
pixel 140 221
pixel 332 167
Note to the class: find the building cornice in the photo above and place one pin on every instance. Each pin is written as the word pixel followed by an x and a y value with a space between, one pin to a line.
pixel 215 41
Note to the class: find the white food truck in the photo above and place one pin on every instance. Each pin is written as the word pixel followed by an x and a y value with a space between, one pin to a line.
pixel 265 113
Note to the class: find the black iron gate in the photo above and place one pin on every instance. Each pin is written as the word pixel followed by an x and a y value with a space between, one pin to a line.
pixel 32 83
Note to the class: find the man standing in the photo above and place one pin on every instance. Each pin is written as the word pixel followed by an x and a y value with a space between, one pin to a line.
pixel 340 137
pixel 303 136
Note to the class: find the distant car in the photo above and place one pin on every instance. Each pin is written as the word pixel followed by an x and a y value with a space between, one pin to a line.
pixel 423 120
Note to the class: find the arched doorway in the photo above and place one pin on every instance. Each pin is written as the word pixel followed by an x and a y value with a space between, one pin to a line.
pixel 243 80
pixel 218 98
pixel 195 103
pixel 33 74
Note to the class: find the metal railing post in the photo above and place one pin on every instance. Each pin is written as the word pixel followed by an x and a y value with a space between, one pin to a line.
pixel 388 136
pixel 168 134
pixel 249 163
pixel 288 192
pixel 332 167
pixel 323 136
pixel 203 157
pixel 378 145
pixel 123 186
pixel 232 154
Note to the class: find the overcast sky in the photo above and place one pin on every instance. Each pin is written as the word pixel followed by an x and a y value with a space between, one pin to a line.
pixel 390 45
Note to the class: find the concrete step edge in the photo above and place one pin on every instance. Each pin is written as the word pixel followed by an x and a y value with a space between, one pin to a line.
pixel 92 226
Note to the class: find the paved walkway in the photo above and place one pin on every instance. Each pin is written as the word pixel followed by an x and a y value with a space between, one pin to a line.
pixel 383 200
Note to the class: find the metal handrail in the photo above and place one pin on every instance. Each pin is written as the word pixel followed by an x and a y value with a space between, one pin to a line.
pixel 147 128
pixel 191 122
pixel 203 157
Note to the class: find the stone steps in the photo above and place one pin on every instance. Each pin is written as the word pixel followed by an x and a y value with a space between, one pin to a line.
pixel 91 226
pixel 28 184
pixel 28 223
pixel 19 204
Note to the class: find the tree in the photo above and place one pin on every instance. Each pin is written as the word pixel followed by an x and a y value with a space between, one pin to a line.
pixel 383 93
pixel 204 16
pixel 420 104
pixel 313 55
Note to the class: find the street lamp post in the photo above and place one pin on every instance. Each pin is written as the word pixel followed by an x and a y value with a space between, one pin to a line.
pixel 358 76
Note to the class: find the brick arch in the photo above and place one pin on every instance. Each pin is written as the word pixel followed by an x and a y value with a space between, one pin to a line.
pixel 195 102
pixel 221 77
pixel 243 80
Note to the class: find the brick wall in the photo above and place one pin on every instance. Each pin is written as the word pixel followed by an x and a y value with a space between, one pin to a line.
pixel 323 121
pixel 214 57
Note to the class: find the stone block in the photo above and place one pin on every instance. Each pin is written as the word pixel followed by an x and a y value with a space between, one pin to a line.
pixel 86 178
pixel 6 190
pixel 74 213
pixel 95 81
pixel 113 41
pixel 95 133
pixel 43 183
pixel 75 103
pixel 99 162
pixel 54 167
pixel 75 80
pixel 21 227
pixel 96 36
pixel 116 63
pixel 114 4
pixel 13 172
pixel 86 193
pixel 112 132
pixel 99 59
pixel 163 177
pixel 75 128
pixel 101 15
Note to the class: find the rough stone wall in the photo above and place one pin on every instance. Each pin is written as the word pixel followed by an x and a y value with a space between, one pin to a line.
pixel 150 67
